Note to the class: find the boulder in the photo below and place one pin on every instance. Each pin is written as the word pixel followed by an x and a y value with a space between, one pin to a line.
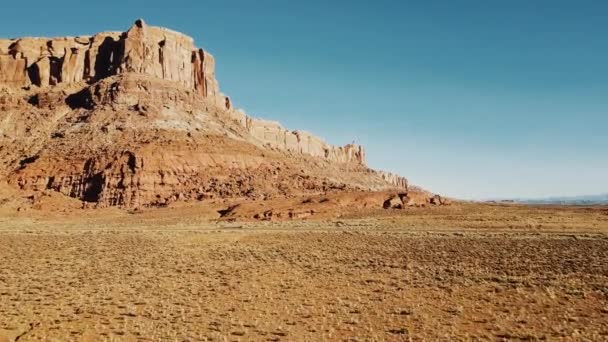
pixel 393 202
pixel 415 199
pixel 435 200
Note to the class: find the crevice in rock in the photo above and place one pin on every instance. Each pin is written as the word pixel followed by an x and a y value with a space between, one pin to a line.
pixel 33 73
pixel 107 61
pixel 228 104
pixel 49 183
pixel 12 49
pixel 131 161
pixel 55 70
pixel 93 188
pixel 87 64
pixel 161 56
pixel 198 66
pixel 34 100
pixel 82 99
pixel 24 162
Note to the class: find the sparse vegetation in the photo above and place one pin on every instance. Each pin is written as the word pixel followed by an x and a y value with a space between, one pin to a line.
pixel 432 275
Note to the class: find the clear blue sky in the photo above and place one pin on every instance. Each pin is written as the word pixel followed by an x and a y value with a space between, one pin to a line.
pixel 469 98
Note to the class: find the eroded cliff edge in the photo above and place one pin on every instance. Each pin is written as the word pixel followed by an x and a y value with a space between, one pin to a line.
pixel 137 118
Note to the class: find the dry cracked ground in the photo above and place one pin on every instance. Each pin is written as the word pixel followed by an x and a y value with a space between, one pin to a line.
pixel 460 273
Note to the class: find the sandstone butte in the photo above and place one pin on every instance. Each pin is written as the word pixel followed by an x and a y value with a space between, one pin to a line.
pixel 136 119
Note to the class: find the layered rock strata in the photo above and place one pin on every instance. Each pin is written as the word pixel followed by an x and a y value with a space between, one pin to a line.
pixel 137 118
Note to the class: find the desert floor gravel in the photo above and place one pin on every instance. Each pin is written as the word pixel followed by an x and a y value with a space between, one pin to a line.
pixel 300 281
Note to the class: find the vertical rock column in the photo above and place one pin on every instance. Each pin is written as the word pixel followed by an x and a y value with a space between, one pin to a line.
pixel 13 71
pixel 139 55
pixel 198 67
pixel 72 69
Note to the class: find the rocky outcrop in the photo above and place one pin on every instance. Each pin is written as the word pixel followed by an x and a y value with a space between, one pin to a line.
pixel 193 168
pixel 43 62
pixel 394 179
pixel 153 51
pixel 414 198
pixel 272 134
pixel 137 118
pixel 172 56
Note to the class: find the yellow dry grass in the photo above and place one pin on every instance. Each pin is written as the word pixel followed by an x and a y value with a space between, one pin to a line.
pixel 464 272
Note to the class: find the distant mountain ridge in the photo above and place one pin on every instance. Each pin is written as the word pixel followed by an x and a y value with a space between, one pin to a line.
pixel 575 200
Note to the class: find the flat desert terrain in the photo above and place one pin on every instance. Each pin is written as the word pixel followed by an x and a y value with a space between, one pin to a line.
pixel 463 272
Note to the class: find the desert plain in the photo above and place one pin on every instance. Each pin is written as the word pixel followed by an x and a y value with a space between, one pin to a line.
pixel 461 272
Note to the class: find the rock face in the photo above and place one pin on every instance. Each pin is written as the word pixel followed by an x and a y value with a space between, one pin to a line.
pixel 137 118
pixel 153 51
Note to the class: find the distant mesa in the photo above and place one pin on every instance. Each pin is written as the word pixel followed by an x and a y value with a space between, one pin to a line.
pixel 137 119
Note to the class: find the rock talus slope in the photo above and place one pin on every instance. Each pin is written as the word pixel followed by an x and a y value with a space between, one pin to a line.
pixel 137 118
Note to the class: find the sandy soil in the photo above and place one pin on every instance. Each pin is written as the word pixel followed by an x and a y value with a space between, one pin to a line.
pixel 465 272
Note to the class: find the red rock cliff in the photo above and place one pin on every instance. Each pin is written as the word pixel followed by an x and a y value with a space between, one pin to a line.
pixel 153 51
pixel 137 118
